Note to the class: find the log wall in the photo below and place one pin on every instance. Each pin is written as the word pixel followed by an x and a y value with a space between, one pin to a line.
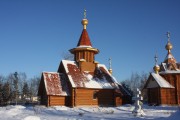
pixel 173 79
pixel 85 97
pixel 168 96
pixel 42 93
pixel 178 88
pixel 57 100
pixel 153 96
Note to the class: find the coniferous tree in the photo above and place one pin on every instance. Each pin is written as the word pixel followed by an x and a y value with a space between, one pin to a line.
pixel 15 83
pixel 127 87
pixel 13 87
pixel 1 93
pixel 1 90
pixel 25 91
pixel 6 93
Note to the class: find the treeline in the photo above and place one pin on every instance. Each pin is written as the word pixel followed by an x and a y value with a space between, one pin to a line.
pixel 15 88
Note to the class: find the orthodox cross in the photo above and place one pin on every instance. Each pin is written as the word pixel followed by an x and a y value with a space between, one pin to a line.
pixel 138 111
pixel 84 13
pixel 156 59
pixel 168 36
pixel 110 63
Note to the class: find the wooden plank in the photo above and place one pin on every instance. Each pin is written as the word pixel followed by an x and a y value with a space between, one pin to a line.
pixel 85 97
pixel 56 100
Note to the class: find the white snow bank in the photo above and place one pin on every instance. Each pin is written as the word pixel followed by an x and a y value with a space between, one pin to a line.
pixel 88 113
pixel 19 107
pixel 15 107
pixel 31 118
pixel 14 110
pixel 61 108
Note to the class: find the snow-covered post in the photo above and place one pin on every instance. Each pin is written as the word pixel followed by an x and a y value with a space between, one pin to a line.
pixel 138 109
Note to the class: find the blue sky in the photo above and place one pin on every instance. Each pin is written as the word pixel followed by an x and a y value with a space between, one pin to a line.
pixel 35 33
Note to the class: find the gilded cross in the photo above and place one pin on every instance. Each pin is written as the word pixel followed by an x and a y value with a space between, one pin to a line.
pixel 156 59
pixel 168 35
pixel 110 63
pixel 84 13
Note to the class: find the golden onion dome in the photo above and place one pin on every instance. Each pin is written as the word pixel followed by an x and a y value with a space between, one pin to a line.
pixel 169 46
pixel 156 68
pixel 110 71
pixel 84 23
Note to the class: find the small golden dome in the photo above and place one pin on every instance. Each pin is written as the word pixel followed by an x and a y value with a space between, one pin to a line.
pixel 169 46
pixel 110 71
pixel 156 68
pixel 84 23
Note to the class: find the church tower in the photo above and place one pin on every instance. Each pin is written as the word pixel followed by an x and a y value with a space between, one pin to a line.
pixel 169 57
pixel 163 85
pixel 84 53
pixel 82 81
pixel 170 62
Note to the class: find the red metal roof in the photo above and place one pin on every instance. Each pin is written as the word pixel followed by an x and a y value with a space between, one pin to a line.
pixel 101 78
pixel 84 40
pixel 54 84
pixel 77 76
pixel 102 73
pixel 170 63
pixel 170 59
pixel 57 83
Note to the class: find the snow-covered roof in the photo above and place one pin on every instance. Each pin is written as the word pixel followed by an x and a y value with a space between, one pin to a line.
pixel 107 72
pixel 84 46
pixel 170 59
pixel 164 66
pixel 161 81
pixel 55 84
pixel 101 79
pixel 169 71
pixel 167 68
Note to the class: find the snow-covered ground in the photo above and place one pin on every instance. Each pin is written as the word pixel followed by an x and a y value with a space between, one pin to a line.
pixel 86 113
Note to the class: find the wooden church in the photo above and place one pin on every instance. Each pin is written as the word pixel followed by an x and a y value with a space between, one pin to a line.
pixel 163 85
pixel 82 82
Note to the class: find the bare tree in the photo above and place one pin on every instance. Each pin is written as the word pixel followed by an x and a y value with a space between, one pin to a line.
pixel 34 85
pixel 1 89
pixel 16 82
pixel 6 93
pixel 135 81
pixel 15 86
pixel 22 78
